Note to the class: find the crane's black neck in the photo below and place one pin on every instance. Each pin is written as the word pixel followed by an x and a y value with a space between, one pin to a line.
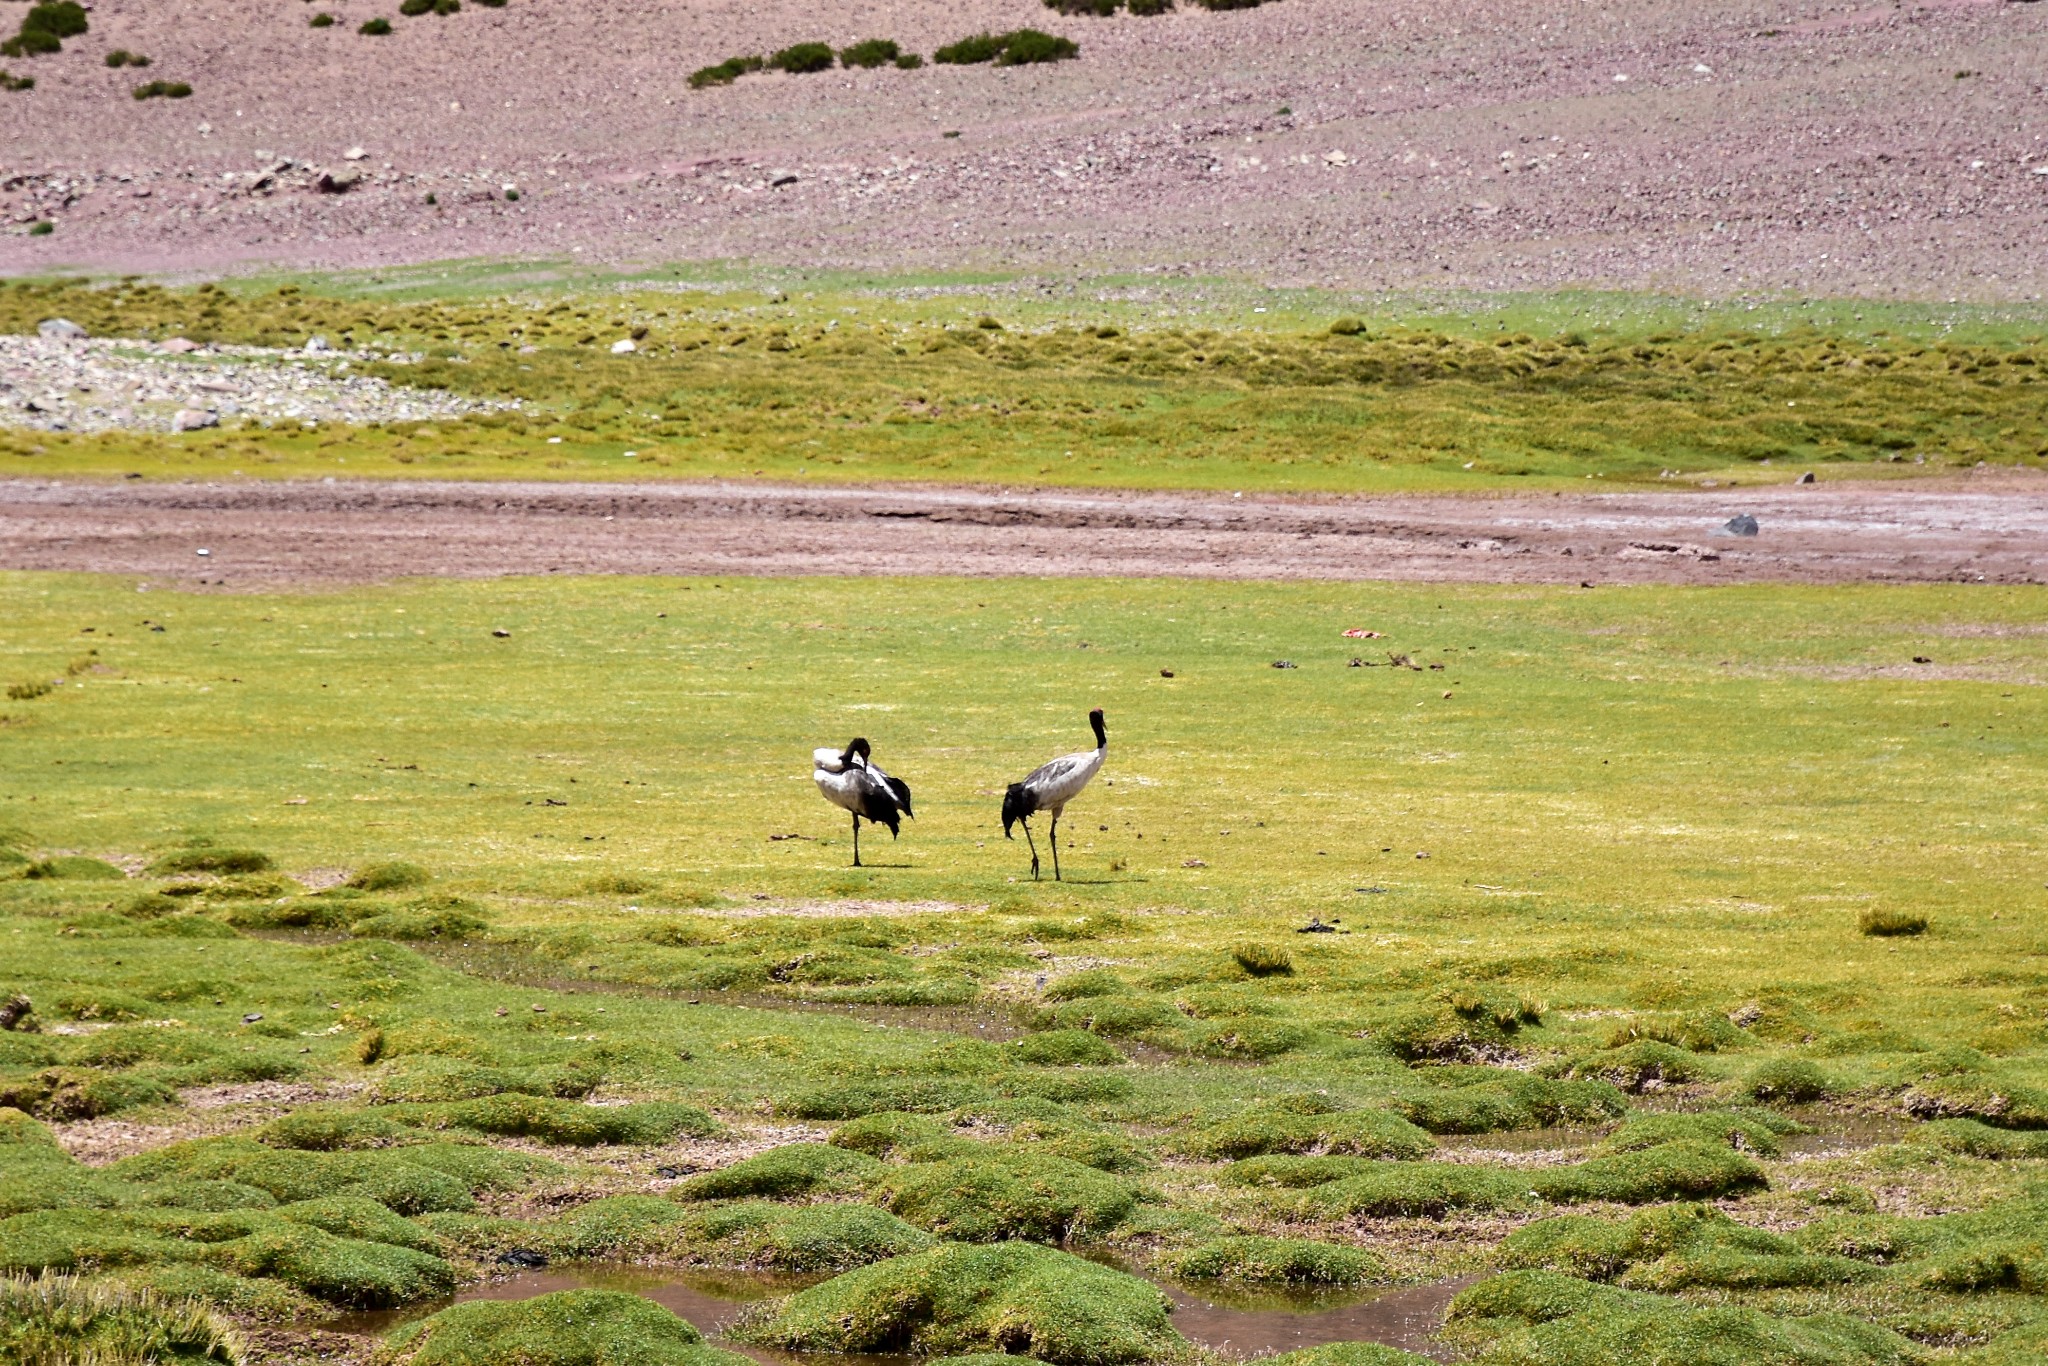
pixel 1101 736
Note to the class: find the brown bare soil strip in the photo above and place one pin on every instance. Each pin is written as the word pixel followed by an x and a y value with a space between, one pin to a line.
pixel 1989 528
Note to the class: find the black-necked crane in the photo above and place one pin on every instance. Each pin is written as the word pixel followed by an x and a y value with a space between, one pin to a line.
pixel 1049 788
pixel 850 781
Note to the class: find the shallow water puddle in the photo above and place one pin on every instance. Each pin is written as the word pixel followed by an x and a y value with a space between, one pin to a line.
pixel 1239 1323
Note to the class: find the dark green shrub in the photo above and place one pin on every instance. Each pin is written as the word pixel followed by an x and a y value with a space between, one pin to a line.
pixel 1885 922
pixel 43 227
pixel 1229 4
pixel 207 859
pixel 375 28
pixel 321 20
pixel 567 1328
pixel 12 82
pixel 1275 1261
pixel 909 61
pixel 803 59
pixel 793 1169
pixel 121 56
pixel 1027 46
pixel 725 72
pixel 412 9
pixel 44 28
pixel 982 47
pixel 1788 1079
pixel 1100 9
pixel 1012 1297
pixel 1003 1194
pixel 872 53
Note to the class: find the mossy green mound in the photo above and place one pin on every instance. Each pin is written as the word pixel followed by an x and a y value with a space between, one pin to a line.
pixel 889 1132
pixel 793 1169
pixel 567 1328
pixel 1540 1318
pixel 1415 1189
pixel 1277 1128
pixel 1067 1048
pixel 810 1238
pixel 1669 1171
pixel 569 1122
pixel 1673 1247
pixel 74 867
pixel 1006 1193
pixel 1014 1298
pixel 1275 1261
pixel 1484 1100
pixel 1753 1131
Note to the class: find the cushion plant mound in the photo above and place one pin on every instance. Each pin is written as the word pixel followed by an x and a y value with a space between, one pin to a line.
pixel 1348 1354
pixel 1497 1101
pixel 567 1328
pixel 1264 1129
pixel 1067 1048
pixel 1290 1261
pixel 1671 1247
pixel 1295 1172
pixel 887 1133
pixel 1539 1318
pixel 1415 1189
pixel 1013 1298
pixel 807 1238
pixel 793 1169
pixel 1006 1193
pixel 1754 1131
pixel 1670 1171
pixel 61 1319
pixel 572 1123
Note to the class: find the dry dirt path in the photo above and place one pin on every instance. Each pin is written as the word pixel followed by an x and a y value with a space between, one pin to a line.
pixel 1987 528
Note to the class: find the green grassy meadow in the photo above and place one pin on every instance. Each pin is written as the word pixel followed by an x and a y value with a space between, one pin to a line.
pixel 986 381
pixel 1602 860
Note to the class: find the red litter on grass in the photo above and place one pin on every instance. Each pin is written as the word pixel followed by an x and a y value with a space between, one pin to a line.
pixel 1360 633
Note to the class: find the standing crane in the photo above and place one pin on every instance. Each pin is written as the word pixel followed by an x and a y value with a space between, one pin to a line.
pixel 1049 788
pixel 849 781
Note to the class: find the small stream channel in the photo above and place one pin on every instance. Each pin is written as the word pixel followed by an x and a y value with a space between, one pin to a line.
pixel 1238 1323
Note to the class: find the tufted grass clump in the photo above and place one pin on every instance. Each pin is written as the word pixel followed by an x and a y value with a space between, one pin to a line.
pixel 1677 1247
pixel 62 1320
pixel 803 59
pixel 571 1123
pixel 1750 1131
pixel 1003 1193
pixel 725 72
pixel 1684 1170
pixel 74 867
pixel 1263 960
pixel 793 1169
pixel 1788 1080
pixel 1275 1261
pixel 121 57
pixel 389 876
pixel 566 1328
pixel 1067 1048
pixel 1411 1190
pixel 1012 1297
pixel 321 20
pixel 1890 922
pixel 1486 1100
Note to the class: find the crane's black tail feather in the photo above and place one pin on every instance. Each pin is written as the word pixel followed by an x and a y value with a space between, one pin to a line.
pixel 1016 806
pixel 901 791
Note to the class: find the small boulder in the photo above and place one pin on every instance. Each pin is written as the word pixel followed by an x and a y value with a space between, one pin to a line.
pixel 193 419
pixel 1742 524
pixel 338 182
pixel 60 329
pixel 317 344
pixel 1806 478
pixel 178 346
pixel 624 346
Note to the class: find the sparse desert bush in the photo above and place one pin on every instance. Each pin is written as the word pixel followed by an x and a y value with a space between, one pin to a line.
pixel 909 61
pixel 981 47
pixel 1101 9
pixel 1027 46
pixel 1886 922
pixel 11 82
pixel 321 20
pixel 375 28
pixel 1274 1127
pixel 44 28
pixel 121 56
pixel 803 59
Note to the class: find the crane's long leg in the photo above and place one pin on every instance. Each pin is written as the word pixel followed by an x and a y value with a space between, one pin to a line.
pixel 1055 846
pixel 856 841
pixel 1034 848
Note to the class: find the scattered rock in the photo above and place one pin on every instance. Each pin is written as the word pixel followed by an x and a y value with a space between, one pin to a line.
pixel 1283 664
pixel 252 1017
pixel 1316 926
pixel 15 1014
pixel 1806 478
pixel 1923 659
pixel 354 154
pixel 1665 550
pixel 1740 525
pixel 502 634
pixel 624 346
pixel 317 345
pixel 60 329
pixel 782 180
pixel 524 1257
pixel 193 419
pixel 338 182
pixel 1192 863
pixel 1166 673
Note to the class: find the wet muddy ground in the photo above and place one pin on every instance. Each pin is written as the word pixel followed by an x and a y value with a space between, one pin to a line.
pixel 1991 527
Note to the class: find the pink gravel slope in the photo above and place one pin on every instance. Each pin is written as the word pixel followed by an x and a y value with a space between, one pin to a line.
pixel 1754 144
